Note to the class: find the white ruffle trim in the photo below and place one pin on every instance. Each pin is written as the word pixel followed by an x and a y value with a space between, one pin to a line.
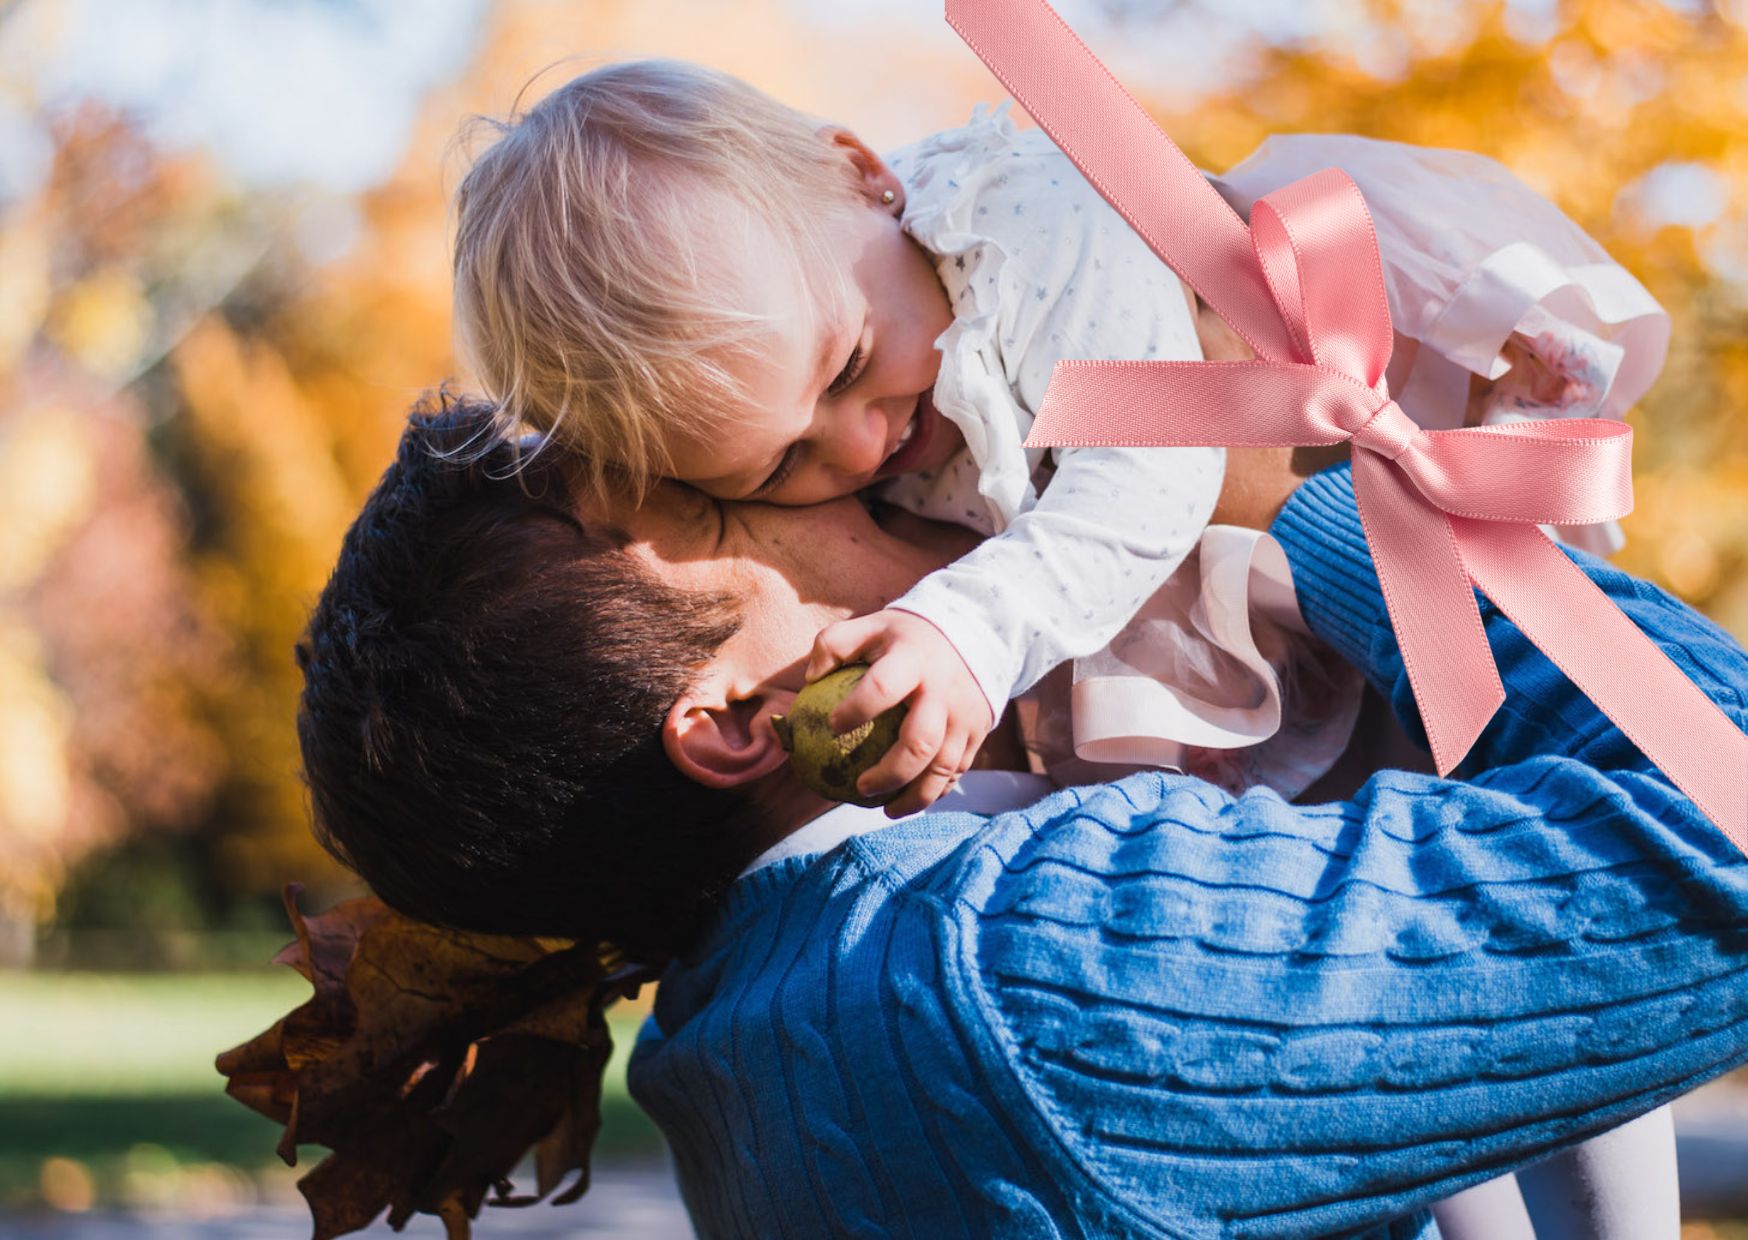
pixel 973 389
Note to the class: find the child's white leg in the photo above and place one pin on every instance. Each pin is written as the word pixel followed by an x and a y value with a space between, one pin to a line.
pixel 1618 1186
pixel 1492 1210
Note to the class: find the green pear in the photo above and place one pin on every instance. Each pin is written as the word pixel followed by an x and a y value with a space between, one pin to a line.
pixel 827 762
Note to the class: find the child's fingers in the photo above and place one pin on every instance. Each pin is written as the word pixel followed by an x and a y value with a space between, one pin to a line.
pixel 918 744
pixel 941 773
pixel 841 643
pixel 888 681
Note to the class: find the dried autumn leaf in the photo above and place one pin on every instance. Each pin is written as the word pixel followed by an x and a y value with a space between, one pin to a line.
pixel 430 1061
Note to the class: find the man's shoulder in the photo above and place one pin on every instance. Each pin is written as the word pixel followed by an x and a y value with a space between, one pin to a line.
pixel 913 885
pixel 868 967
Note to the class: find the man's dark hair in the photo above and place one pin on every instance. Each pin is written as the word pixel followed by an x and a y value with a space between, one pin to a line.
pixel 485 680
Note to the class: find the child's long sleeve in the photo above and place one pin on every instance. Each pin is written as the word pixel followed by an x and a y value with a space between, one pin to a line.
pixel 1070 572
pixel 1070 569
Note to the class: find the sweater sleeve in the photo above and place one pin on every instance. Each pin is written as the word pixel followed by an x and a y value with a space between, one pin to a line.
pixel 1544 713
pixel 1241 1017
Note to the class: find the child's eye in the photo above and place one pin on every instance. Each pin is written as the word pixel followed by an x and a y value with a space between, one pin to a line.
pixel 780 475
pixel 851 370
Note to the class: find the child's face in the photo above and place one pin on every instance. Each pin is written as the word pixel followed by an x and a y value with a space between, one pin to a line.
pixel 841 395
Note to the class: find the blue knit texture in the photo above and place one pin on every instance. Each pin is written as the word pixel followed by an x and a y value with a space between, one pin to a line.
pixel 1148 1008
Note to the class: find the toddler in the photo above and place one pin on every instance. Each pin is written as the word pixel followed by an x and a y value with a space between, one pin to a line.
pixel 678 276
pixel 672 275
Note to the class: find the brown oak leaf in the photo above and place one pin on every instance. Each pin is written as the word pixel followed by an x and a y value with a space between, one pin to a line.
pixel 430 1061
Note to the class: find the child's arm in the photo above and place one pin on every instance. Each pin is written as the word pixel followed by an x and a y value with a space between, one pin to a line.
pixel 1060 582
pixel 1072 569
pixel 1070 572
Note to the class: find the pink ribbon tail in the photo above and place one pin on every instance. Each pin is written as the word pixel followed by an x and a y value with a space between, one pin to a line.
pixel 1615 665
pixel 1432 610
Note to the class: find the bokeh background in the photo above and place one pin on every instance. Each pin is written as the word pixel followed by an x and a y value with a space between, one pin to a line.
pixel 224 279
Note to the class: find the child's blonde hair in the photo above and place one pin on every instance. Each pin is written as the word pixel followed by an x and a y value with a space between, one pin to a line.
pixel 580 294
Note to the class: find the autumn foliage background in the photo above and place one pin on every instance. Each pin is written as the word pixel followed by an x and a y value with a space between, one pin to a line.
pixel 202 370
pixel 199 380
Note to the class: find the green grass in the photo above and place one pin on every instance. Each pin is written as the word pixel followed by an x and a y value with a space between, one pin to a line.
pixel 86 1035
pixel 106 1070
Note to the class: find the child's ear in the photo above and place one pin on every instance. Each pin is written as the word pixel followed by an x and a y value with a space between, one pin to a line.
pixel 877 178
pixel 723 741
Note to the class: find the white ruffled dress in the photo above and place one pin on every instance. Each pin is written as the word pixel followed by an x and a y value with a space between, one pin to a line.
pixel 1145 636
pixel 1155 639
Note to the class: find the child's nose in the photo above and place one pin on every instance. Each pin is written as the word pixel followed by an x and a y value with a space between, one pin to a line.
pixel 861 442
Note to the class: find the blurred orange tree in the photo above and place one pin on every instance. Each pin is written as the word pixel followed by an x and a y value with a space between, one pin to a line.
pixel 197 393
pixel 1633 117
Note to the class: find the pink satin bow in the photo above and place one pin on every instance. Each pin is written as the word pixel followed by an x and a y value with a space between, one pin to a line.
pixel 1442 510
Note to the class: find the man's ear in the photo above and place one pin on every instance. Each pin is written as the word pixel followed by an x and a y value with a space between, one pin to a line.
pixel 724 740
pixel 877 178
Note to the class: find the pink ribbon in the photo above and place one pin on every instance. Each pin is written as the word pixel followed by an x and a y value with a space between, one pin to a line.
pixel 1442 510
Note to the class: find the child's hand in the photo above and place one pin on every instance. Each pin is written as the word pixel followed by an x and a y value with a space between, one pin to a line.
pixel 910 661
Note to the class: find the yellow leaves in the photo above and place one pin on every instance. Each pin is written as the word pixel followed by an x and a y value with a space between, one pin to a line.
pixel 47 490
pixel 104 323
pixel 1632 25
pixel 1689 563
pixel 35 790
pixel 268 449
pixel 264 456
pixel 47 487
pixel 24 277
pixel 1689 527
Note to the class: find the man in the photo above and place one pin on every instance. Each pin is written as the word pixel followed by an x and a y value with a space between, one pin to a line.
pixel 1141 1008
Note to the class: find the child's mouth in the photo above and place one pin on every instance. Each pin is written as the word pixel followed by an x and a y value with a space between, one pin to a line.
pixel 914 441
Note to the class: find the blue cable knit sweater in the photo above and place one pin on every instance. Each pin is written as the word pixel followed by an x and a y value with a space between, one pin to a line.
pixel 1147 1008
